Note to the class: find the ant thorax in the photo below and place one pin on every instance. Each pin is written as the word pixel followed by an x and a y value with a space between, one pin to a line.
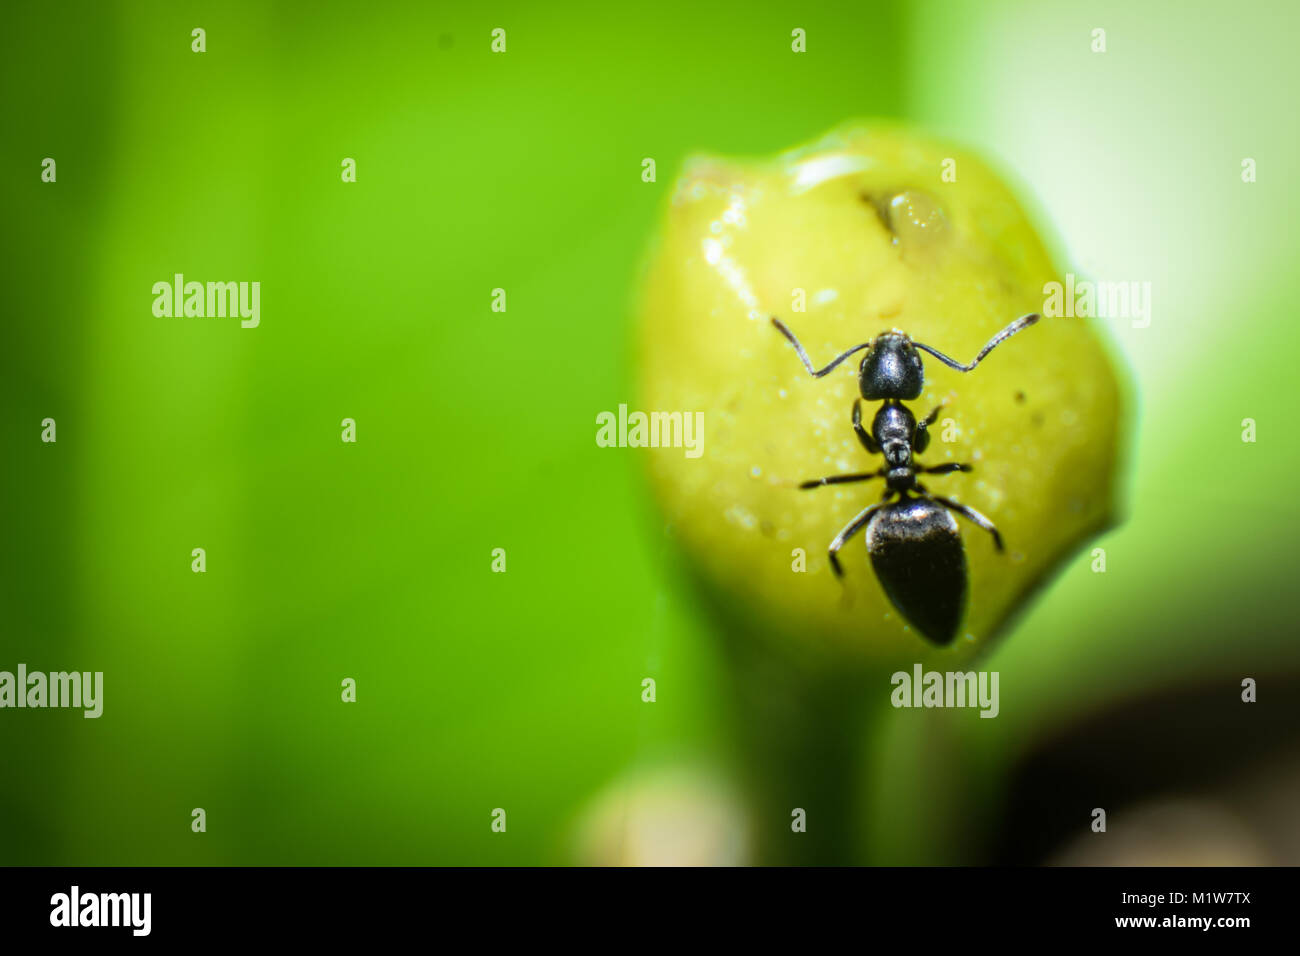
pixel 894 429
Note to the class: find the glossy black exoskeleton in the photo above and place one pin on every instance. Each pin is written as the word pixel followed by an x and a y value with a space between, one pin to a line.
pixel 912 536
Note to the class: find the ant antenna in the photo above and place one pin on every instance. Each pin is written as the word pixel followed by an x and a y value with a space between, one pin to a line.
pixel 807 362
pixel 1024 322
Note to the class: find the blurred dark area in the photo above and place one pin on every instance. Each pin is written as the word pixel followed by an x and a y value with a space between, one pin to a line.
pixel 1188 776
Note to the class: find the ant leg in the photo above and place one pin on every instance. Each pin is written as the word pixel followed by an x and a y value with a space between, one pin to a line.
pixel 839 479
pixel 974 516
pixel 864 436
pixel 803 356
pixel 852 528
pixel 947 468
pixel 922 439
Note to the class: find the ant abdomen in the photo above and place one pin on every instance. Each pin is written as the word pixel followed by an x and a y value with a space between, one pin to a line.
pixel 917 554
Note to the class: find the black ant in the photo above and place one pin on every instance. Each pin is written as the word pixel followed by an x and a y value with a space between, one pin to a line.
pixel 915 549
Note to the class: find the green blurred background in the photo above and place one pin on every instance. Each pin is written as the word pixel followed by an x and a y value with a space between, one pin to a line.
pixel 476 428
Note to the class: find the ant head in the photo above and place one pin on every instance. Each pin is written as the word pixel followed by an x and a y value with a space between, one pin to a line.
pixel 891 369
